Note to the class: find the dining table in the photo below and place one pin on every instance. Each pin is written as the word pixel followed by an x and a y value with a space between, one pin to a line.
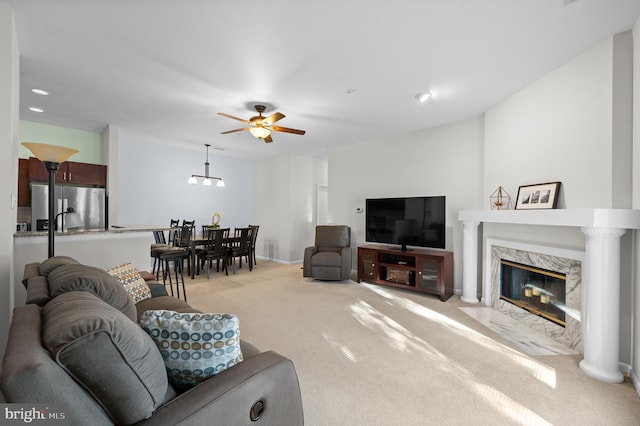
pixel 202 240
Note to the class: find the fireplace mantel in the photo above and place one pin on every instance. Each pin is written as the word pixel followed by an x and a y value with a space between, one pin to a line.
pixel 591 218
pixel 603 229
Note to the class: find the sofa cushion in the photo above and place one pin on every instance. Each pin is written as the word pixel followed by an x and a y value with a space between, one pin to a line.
pixel 167 303
pixel 31 270
pixel 52 263
pixel 106 353
pixel 30 375
pixel 130 278
pixel 37 291
pixel 194 346
pixel 86 278
pixel 327 258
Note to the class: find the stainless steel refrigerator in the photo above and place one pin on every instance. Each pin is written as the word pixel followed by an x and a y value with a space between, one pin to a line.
pixel 88 203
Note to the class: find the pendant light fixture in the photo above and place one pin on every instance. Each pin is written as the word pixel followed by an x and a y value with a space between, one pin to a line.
pixel 206 178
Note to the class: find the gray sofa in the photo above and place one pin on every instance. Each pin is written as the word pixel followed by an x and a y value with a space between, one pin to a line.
pixel 76 342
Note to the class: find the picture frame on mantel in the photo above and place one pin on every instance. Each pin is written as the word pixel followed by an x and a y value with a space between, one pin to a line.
pixel 538 196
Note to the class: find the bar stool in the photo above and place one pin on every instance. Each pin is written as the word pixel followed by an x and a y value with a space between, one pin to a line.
pixel 176 254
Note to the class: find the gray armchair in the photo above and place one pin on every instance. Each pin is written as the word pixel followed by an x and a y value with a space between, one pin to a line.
pixel 330 257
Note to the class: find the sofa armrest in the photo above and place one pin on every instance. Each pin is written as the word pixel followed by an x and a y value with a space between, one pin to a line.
pixel 306 263
pixel 157 289
pixel 268 380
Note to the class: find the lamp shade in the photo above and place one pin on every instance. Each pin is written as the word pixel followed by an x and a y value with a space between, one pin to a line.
pixel 50 153
pixel 72 220
pixel 259 132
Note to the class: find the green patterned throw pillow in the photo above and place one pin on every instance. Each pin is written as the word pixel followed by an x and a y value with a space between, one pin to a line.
pixel 194 346
pixel 130 278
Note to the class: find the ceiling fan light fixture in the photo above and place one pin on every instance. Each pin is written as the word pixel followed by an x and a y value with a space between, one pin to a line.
pixel 260 132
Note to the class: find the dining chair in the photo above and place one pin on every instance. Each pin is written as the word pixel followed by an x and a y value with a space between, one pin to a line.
pixel 241 247
pixel 215 249
pixel 174 223
pixel 254 237
pixel 186 243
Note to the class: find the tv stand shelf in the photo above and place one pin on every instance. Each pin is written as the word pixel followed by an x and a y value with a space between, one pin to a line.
pixel 421 270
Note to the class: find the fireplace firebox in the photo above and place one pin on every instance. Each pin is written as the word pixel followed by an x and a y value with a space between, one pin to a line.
pixel 539 291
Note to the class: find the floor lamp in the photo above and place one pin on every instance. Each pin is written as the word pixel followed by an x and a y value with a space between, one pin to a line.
pixel 51 157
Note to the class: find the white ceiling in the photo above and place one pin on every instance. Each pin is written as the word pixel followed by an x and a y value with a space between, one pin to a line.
pixel 166 67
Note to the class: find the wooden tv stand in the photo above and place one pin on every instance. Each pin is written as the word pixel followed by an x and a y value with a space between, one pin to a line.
pixel 417 269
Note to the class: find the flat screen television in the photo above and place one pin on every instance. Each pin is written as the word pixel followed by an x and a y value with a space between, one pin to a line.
pixel 406 221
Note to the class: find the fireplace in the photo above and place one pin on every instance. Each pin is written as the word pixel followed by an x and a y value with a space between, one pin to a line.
pixel 536 290
pixel 601 262
pixel 543 290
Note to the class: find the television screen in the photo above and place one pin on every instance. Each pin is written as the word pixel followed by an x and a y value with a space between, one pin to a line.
pixel 406 221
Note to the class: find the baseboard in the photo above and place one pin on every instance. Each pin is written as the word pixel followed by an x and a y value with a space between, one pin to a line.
pixel 282 262
pixel 635 380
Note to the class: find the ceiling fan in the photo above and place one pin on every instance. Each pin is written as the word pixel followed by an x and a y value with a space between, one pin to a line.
pixel 260 126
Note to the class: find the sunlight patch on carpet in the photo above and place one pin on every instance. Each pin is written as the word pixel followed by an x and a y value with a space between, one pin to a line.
pixel 540 371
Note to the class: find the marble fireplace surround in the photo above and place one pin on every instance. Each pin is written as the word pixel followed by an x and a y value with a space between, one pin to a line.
pixel 603 229
pixel 564 261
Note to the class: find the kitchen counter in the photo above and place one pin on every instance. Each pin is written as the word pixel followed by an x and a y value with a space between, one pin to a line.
pixel 102 248
pixel 115 229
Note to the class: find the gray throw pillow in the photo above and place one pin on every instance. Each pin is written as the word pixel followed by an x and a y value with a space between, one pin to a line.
pixel 107 354
pixel 94 280
pixel 52 263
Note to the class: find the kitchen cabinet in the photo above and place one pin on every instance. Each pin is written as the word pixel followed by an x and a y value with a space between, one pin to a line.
pixel 70 172
pixel 23 183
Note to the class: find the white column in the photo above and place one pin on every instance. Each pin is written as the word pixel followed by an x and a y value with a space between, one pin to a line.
pixel 470 261
pixel 601 304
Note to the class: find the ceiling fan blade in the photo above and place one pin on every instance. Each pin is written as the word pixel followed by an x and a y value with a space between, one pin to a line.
pixel 233 118
pixel 234 130
pixel 288 130
pixel 268 139
pixel 272 118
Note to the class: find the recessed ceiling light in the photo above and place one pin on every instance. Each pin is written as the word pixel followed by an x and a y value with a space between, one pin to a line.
pixel 36 109
pixel 40 92
pixel 423 96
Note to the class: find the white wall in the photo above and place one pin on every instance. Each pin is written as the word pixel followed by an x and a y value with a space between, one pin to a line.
pixel 9 127
pixel 152 183
pixel 285 205
pixel 556 129
pixel 446 160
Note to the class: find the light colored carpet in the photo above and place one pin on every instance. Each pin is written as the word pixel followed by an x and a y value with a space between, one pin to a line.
pixel 374 355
